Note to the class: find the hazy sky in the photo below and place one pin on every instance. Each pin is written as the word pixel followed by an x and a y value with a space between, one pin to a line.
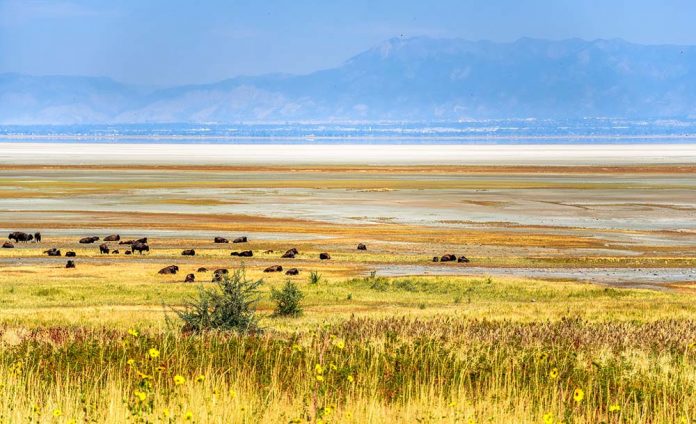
pixel 172 42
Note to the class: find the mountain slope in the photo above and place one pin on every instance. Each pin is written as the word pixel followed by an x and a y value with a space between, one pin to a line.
pixel 401 79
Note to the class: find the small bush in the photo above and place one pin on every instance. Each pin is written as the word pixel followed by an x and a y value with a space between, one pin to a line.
pixel 229 306
pixel 287 300
pixel 314 277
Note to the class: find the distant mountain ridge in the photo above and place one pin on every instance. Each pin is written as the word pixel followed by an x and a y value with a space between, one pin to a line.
pixel 403 79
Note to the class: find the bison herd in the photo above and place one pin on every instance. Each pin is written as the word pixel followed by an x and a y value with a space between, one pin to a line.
pixel 141 245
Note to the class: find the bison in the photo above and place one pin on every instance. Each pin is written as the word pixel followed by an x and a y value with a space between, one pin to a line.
pixel 7 245
pixel 324 256
pixel 463 259
pixel 89 240
pixel 131 242
pixel 273 268
pixel 220 240
pixel 219 274
pixel 19 236
pixel 113 237
pixel 140 247
pixel 448 258
pixel 290 254
pixel 243 254
pixel 128 252
pixel 115 252
pixel 104 249
pixel 202 269
pixel 240 240
pixel 190 278
pixel 292 271
pixel 436 259
pixel 169 270
pixel 188 252
pixel 52 252
pixel 70 254
pixel 362 246
pixel 70 264
pixel 37 237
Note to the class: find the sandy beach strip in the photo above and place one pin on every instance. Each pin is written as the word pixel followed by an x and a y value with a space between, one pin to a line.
pixel 343 154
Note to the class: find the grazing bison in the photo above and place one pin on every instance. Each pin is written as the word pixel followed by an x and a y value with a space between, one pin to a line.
pixel 188 252
pixel 113 237
pixel 104 249
pixel 128 252
pixel 70 254
pixel 240 240
pixel 169 270
pixel 219 274
pixel 324 256
pixel 131 242
pixel 70 264
pixel 290 254
pixel 436 259
pixel 222 271
pixel 115 252
pixel 243 254
pixel 220 240
pixel 273 268
pixel 52 252
pixel 88 240
pixel 7 245
pixel 448 258
pixel 19 236
pixel 140 247
pixel 190 278
pixel 37 237
pixel 463 259
pixel 292 271
pixel 202 269
pixel 362 246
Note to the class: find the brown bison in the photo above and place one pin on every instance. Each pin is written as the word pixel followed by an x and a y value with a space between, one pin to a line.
pixel 292 271
pixel 169 270
pixel 188 252
pixel 219 274
pixel 324 256
pixel 290 254
pixel 362 246
pixel 127 252
pixel 140 247
pixel 240 240
pixel 131 242
pixel 37 237
pixel 113 237
pixel 243 254
pixel 52 252
pixel 19 236
pixel 220 240
pixel 7 245
pixel 104 249
pixel 273 268
pixel 70 254
pixel 115 252
pixel 448 258
pixel 202 269
pixel 463 259
pixel 267 251
pixel 190 278
pixel 70 264
pixel 436 259
pixel 89 240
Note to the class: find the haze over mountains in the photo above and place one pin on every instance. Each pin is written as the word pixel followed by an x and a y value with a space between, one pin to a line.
pixel 418 79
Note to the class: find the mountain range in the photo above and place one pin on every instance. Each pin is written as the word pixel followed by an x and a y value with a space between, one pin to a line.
pixel 402 79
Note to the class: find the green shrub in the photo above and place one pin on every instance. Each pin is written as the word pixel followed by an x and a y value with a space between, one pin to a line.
pixel 229 306
pixel 287 300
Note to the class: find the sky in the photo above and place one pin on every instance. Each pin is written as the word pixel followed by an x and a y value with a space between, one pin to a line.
pixel 169 42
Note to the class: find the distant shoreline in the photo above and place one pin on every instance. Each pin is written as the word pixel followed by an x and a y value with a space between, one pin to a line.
pixel 153 154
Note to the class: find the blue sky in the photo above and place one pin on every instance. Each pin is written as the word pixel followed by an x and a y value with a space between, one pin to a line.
pixel 175 42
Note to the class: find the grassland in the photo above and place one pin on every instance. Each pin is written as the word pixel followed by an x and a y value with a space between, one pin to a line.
pixel 76 344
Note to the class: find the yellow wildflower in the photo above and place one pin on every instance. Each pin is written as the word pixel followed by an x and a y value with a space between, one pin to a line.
pixel 578 395
pixel 350 378
pixel 140 395
pixel 614 408
pixel 71 421
pixel 319 369
pixel 320 378
pixel 548 418
pixel 131 362
pixel 453 404
pixel 340 344
pixel 133 332
pixel 179 380
pixel 188 415
pixel 200 378
pixel 333 367
pixel 57 412
pixel 553 374
pixel 233 393
pixel 154 353
pixel 165 412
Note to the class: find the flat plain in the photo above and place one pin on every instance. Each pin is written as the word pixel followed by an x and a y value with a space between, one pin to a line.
pixel 577 304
